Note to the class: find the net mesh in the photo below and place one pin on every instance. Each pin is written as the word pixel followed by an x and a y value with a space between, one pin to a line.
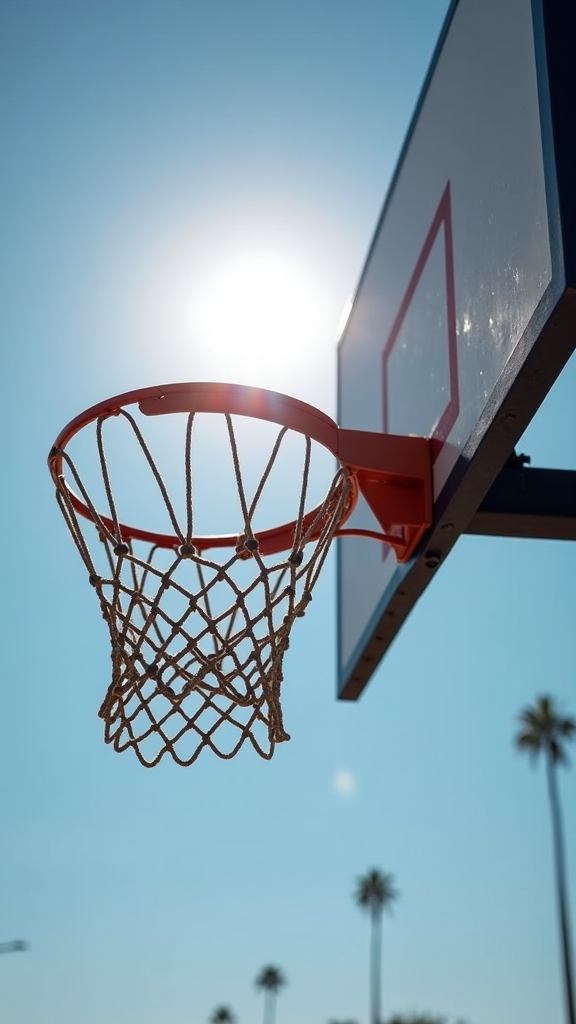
pixel 198 639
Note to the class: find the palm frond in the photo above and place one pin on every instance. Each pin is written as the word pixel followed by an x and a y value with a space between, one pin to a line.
pixel 543 728
pixel 271 979
pixel 375 891
pixel 222 1015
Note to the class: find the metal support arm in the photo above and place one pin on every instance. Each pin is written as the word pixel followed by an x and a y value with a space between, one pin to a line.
pixel 526 502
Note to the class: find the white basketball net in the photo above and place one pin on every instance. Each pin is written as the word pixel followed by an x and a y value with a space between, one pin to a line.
pixel 198 642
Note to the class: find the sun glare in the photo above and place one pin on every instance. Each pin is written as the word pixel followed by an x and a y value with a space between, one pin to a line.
pixel 257 319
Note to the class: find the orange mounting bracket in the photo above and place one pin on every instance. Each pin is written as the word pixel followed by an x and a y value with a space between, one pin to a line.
pixel 394 475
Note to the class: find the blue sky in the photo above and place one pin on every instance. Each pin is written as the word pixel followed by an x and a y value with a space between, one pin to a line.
pixel 153 153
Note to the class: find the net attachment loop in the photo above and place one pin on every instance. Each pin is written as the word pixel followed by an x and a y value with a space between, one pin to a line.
pixel 199 625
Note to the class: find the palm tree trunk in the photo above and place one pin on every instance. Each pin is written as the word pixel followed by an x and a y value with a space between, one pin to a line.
pixel 269 1006
pixel 561 888
pixel 375 960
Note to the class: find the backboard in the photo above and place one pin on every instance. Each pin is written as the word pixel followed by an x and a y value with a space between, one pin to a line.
pixel 465 312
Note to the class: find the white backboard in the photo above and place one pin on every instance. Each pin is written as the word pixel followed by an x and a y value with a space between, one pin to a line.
pixel 462 277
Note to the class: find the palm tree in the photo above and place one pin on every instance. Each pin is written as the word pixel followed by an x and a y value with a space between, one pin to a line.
pixel 543 729
pixel 415 1018
pixel 375 892
pixel 270 980
pixel 15 946
pixel 222 1015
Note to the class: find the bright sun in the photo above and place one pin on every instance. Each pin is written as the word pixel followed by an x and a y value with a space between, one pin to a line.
pixel 258 318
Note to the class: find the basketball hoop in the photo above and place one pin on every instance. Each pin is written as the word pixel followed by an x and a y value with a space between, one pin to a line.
pixel 199 625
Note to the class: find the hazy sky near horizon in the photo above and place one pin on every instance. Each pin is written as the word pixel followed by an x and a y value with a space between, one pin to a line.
pixel 188 193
